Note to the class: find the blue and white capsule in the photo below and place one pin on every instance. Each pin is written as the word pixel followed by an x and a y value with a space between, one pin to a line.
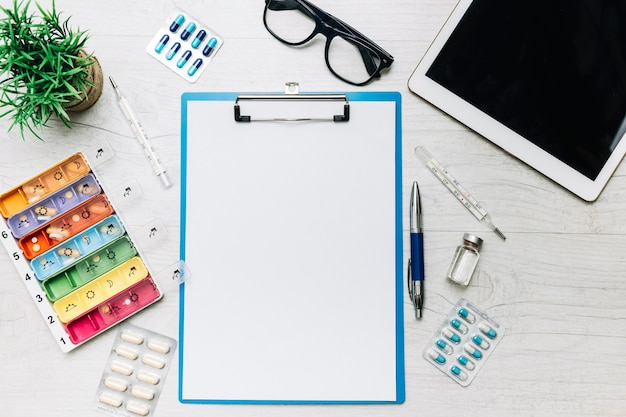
pixel 183 59
pixel 179 20
pixel 193 68
pixel 487 331
pixel 480 342
pixel 437 357
pixel 466 315
pixel 446 348
pixel 458 325
pixel 458 372
pixel 186 33
pixel 210 46
pixel 161 44
pixel 197 40
pixel 173 50
pixel 473 351
pixel 468 364
pixel 451 336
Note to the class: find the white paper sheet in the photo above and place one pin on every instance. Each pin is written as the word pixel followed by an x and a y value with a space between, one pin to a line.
pixel 292 233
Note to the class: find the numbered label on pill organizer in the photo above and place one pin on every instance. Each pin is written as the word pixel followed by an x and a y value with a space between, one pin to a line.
pixel 134 373
pixel 463 342
pixel 185 45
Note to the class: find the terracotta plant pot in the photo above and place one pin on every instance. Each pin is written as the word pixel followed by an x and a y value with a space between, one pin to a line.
pixel 94 74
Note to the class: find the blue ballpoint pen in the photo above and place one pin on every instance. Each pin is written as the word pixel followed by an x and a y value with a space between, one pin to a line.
pixel 416 262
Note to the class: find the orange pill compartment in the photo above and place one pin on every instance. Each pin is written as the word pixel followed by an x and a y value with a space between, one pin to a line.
pixel 63 228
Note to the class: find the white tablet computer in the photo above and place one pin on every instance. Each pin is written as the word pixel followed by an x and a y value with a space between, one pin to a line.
pixel 545 80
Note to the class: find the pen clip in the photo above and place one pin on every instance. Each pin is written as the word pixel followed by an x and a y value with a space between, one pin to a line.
pixel 410 283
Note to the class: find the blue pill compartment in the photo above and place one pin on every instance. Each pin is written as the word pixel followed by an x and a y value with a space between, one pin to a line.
pixel 63 256
pixel 197 45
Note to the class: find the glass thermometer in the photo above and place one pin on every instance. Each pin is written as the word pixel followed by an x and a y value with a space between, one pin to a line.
pixel 456 189
pixel 141 136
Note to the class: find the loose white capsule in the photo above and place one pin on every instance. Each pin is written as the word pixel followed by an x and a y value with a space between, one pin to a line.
pixel 159 346
pixel 138 408
pixel 110 399
pixel 153 361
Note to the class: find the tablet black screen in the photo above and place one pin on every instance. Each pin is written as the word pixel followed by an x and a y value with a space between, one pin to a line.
pixel 552 71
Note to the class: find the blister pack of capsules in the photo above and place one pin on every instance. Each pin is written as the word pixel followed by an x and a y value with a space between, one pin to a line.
pixel 185 45
pixel 73 252
pixel 135 372
pixel 463 342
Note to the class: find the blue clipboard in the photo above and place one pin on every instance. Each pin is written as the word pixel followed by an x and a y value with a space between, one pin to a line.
pixel 291 226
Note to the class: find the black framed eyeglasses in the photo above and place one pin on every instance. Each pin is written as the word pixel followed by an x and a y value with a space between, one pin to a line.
pixel 350 56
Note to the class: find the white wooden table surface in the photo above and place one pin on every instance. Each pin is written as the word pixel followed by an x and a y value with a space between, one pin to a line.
pixel 558 283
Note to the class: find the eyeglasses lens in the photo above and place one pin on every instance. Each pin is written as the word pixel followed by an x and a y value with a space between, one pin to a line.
pixel 287 22
pixel 347 58
pixel 352 61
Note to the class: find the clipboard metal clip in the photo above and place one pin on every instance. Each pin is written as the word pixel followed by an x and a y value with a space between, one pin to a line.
pixel 292 93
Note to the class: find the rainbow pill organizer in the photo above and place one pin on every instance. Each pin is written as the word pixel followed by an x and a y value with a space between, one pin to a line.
pixel 185 45
pixel 73 252
pixel 463 342
pixel 135 371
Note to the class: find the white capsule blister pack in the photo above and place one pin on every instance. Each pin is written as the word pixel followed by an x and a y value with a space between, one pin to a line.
pixel 185 45
pixel 135 372
pixel 463 342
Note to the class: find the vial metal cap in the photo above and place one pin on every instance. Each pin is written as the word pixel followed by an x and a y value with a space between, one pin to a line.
pixel 473 239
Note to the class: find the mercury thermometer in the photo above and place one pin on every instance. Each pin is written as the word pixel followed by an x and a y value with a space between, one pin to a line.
pixel 457 189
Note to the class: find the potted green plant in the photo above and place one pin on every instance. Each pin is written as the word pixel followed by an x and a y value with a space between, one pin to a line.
pixel 44 68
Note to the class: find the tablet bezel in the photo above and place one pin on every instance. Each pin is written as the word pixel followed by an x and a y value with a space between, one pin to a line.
pixel 499 134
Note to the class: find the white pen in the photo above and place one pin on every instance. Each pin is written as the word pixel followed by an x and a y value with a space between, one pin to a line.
pixel 141 136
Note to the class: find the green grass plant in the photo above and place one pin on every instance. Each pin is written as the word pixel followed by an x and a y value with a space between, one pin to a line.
pixel 42 68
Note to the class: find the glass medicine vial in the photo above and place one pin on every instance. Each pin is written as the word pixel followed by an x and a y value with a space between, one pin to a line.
pixel 465 260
